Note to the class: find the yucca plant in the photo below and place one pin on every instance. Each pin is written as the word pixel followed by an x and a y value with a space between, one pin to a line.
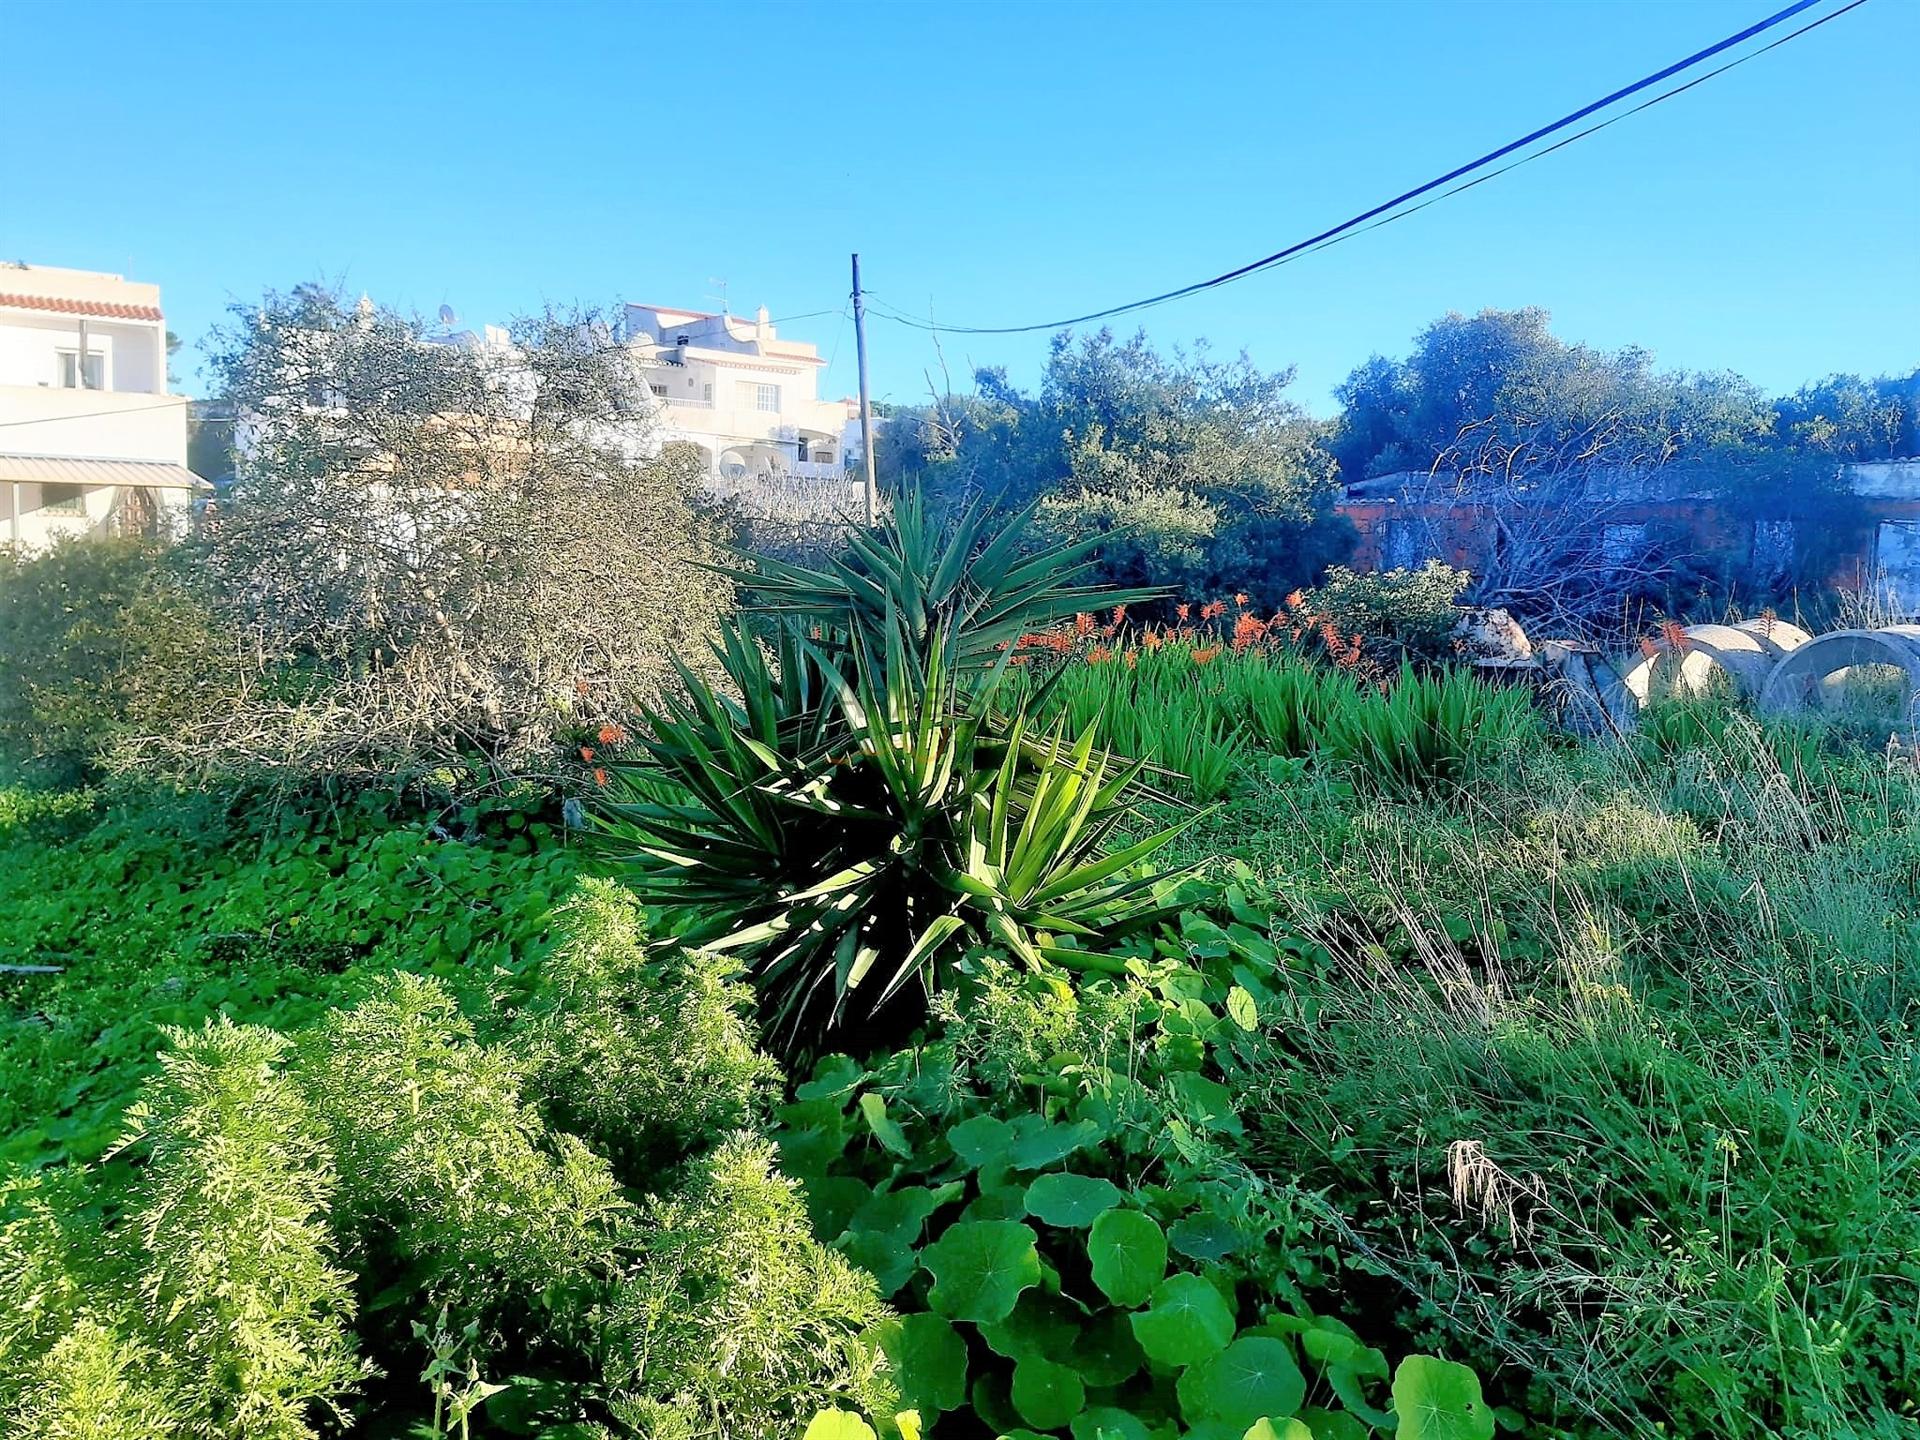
pixel 862 806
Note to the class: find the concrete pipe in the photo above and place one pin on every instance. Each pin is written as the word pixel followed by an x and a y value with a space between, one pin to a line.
pixel 1746 654
pixel 1803 677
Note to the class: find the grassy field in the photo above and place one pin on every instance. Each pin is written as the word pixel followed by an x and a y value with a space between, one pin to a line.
pixel 1473 1062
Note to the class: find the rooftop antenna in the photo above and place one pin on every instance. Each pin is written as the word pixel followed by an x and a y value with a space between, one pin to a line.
pixel 447 318
pixel 719 283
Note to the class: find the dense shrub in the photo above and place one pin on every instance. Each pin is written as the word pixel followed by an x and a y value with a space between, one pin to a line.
pixel 736 1322
pixel 450 1179
pixel 1398 614
pixel 238 1280
pixel 103 642
pixel 646 1055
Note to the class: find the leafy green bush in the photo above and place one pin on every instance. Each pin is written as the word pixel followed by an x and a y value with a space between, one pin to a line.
pixel 862 815
pixel 101 642
pixel 1397 614
pixel 96 1385
pixel 167 910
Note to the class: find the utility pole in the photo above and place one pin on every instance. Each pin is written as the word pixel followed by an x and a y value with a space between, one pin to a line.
pixel 866 405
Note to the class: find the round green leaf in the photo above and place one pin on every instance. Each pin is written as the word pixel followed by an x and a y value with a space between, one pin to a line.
pixel 979 1268
pixel 1252 1379
pixel 1104 1422
pixel 1040 1324
pixel 1105 1352
pixel 1129 1255
pixel 1189 1321
pixel 1285 1430
pixel 929 1361
pixel 1439 1400
pixel 1071 1201
pixel 1046 1395
pixel 838 1425
pixel 981 1141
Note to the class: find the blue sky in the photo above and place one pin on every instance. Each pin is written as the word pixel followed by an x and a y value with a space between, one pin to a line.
pixel 994 163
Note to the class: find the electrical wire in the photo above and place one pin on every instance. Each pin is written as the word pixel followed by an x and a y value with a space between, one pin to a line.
pixel 1354 225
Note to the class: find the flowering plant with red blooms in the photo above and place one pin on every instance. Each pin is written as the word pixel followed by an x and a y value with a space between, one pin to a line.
pixel 1099 655
pixel 613 734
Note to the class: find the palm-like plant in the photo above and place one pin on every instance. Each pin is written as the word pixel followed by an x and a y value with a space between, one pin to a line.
pixel 859 814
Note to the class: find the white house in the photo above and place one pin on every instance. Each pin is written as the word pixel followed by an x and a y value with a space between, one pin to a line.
pixel 90 440
pixel 748 399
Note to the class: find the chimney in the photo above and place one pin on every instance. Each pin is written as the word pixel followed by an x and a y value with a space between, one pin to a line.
pixel 762 324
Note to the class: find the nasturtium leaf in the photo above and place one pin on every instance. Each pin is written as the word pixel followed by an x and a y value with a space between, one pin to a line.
pixel 831 1201
pixel 1129 1255
pixel 1205 1236
pixel 833 1075
pixel 838 1425
pixel 1037 1144
pixel 899 1212
pixel 885 1130
pixel 929 1361
pixel 1253 1378
pixel 1046 1395
pixel 1040 1324
pixel 1189 1321
pixel 1337 1425
pixel 981 1141
pixel 1104 1422
pixel 1241 1008
pixel 1439 1400
pixel 997 1202
pixel 979 1268
pixel 1071 1201
pixel 884 1254
pixel 1264 1429
pixel 1205 1102
pixel 1105 1352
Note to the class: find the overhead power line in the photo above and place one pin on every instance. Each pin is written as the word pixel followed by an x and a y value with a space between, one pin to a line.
pixel 1346 228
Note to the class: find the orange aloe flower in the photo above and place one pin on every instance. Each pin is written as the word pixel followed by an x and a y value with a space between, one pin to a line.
pixel 1152 639
pixel 1182 610
pixel 586 752
pixel 1083 624
pixel 1119 613
pixel 1133 658
pixel 1240 598
pixel 1213 610
pixel 599 776
pixel 613 734
pixel 1206 656
pixel 1098 654
pixel 1296 599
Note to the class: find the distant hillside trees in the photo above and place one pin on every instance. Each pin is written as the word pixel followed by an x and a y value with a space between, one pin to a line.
pixel 1202 473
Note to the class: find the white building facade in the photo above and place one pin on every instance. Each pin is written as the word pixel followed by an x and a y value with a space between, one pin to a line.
pixel 748 399
pixel 90 441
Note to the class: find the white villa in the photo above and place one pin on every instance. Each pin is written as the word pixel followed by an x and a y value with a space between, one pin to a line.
pixel 744 396
pixel 90 440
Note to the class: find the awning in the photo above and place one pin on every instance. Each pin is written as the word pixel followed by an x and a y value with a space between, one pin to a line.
pixel 56 470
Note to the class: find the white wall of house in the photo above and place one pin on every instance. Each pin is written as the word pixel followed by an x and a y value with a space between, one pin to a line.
pixel 749 399
pixel 116 410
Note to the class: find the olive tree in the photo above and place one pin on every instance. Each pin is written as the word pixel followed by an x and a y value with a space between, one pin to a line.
pixel 441 546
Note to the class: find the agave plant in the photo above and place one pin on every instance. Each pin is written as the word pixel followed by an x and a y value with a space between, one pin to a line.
pixel 854 814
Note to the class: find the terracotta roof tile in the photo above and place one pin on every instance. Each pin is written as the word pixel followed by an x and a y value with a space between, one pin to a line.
pixel 105 309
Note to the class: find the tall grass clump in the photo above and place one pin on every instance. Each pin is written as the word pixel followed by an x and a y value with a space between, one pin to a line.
pixel 1618 1083
pixel 1426 730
